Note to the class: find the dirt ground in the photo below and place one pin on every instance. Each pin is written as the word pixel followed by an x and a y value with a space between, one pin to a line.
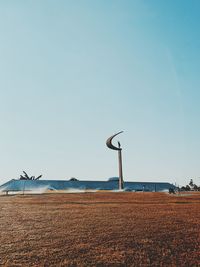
pixel 100 229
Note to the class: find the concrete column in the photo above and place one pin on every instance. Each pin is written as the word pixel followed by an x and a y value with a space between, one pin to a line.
pixel 121 182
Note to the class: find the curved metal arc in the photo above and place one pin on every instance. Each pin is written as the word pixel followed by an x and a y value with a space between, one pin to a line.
pixel 109 142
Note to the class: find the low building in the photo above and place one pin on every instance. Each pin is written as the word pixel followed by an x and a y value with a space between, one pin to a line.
pixel 110 184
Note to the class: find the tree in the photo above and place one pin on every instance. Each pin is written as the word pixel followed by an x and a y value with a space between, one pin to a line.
pixel 26 177
pixel 187 188
pixel 195 187
pixel 191 183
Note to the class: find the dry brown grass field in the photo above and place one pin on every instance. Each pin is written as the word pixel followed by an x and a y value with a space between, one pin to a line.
pixel 100 229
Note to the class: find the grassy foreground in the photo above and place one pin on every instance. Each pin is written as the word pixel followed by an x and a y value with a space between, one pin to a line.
pixel 100 229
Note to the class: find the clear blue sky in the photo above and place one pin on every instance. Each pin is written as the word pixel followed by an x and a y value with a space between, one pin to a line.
pixel 72 73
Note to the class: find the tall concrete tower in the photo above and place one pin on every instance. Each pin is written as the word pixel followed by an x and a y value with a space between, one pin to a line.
pixel 119 149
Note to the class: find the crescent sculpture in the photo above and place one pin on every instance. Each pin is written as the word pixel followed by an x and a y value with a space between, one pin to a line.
pixel 109 142
pixel 119 149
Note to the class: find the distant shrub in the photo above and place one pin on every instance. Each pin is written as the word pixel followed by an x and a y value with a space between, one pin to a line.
pixel 73 179
pixel 187 188
pixel 113 179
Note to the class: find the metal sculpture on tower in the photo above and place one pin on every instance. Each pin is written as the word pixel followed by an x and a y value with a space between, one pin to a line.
pixel 119 149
